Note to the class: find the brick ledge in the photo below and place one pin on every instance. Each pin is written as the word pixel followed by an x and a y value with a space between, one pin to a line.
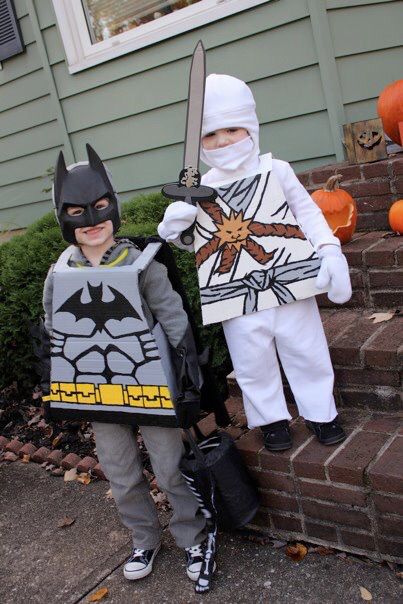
pixel 348 497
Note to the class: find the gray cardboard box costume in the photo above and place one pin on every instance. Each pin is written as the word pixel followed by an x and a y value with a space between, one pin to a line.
pixel 106 364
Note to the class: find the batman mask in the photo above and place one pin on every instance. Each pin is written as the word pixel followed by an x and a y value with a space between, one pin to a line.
pixel 83 185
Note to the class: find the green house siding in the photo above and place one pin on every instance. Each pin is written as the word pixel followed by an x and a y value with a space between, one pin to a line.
pixel 312 65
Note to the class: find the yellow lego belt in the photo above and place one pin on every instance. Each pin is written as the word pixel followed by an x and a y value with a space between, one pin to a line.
pixel 146 397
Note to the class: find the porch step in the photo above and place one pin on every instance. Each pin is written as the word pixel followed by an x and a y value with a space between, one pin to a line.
pixel 367 359
pixel 376 268
pixel 348 496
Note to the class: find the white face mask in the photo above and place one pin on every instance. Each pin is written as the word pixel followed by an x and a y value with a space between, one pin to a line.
pixel 230 157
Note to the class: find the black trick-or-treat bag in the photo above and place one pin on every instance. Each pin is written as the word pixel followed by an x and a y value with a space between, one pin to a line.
pixel 216 474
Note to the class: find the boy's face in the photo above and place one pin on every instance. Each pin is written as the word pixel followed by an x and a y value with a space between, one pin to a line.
pixel 92 235
pixel 223 137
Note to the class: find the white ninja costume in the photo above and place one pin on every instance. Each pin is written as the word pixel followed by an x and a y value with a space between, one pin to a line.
pixel 258 250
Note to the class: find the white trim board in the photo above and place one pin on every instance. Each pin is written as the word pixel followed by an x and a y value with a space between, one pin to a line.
pixel 81 53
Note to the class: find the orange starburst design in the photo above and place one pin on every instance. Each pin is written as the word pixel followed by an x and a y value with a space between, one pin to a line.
pixel 233 233
pixel 234 230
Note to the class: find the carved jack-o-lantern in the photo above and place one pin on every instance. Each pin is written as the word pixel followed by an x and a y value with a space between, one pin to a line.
pixel 369 138
pixel 338 208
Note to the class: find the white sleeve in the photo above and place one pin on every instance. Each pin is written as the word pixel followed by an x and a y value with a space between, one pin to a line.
pixel 305 210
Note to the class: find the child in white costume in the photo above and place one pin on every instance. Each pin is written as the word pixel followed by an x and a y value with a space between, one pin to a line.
pixel 230 145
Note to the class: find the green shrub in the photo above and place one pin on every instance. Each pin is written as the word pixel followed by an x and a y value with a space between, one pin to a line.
pixel 24 263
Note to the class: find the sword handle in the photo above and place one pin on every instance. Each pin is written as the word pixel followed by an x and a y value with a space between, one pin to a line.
pixel 189 190
pixel 187 237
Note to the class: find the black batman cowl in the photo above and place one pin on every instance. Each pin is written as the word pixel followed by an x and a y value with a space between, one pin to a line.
pixel 83 185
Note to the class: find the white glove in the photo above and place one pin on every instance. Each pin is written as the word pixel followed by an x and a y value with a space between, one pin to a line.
pixel 178 217
pixel 334 273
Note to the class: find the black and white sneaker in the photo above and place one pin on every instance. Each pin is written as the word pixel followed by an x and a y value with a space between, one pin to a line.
pixel 194 561
pixel 328 433
pixel 277 436
pixel 140 563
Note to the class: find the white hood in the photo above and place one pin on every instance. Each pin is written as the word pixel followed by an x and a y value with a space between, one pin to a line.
pixel 229 103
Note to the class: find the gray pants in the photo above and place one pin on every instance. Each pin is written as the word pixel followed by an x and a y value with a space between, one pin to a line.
pixel 119 456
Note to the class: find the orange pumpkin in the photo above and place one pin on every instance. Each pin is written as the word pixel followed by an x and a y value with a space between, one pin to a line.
pixel 390 109
pixel 338 208
pixel 396 216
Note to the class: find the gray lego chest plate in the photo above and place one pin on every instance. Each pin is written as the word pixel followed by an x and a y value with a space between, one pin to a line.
pixel 104 357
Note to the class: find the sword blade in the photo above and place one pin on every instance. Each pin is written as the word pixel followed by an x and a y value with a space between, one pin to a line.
pixel 195 107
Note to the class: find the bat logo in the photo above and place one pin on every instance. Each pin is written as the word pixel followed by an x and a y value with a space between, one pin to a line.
pixel 97 310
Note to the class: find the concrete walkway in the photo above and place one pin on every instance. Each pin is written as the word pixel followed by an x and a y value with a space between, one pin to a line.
pixel 42 564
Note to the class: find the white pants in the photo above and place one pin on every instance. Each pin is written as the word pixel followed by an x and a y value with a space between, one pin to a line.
pixel 295 331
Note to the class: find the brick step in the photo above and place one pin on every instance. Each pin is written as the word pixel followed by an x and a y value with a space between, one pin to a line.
pixel 374 186
pixel 367 359
pixel 348 496
pixel 376 268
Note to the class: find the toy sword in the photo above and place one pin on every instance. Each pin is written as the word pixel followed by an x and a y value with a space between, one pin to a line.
pixel 188 187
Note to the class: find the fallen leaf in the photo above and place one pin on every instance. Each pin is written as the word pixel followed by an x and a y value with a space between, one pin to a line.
pixel 57 472
pixel 380 317
pixel 70 475
pixel 296 552
pixel 365 594
pixel 323 551
pixel 277 544
pixel 57 439
pixel 48 431
pixel 66 521
pixel 25 458
pixel 34 420
pixel 108 494
pixel 98 595
pixel 399 575
pixel 84 478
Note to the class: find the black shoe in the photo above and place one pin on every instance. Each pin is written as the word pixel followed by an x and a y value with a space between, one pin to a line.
pixel 329 433
pixel 194 561
pixel 277 436
pixel 140 563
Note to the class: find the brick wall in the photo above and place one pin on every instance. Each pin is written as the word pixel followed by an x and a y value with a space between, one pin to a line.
pixel 376 269
pixel 349 496
pixel 367 360
pixel 374 187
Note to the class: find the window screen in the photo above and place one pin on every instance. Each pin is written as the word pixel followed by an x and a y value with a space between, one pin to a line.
pixel 107 18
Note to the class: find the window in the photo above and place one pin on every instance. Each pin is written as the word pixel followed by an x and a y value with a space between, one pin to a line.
pixel 94 31
pixel 107 18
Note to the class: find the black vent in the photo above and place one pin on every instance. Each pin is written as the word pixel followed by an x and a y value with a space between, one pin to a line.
pixel 10 34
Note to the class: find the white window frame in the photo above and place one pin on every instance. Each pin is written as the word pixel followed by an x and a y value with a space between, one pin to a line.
pixel 81 53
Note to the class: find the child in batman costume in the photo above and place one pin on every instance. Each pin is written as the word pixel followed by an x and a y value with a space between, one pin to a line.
pixel 287 326
pixel 120 354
